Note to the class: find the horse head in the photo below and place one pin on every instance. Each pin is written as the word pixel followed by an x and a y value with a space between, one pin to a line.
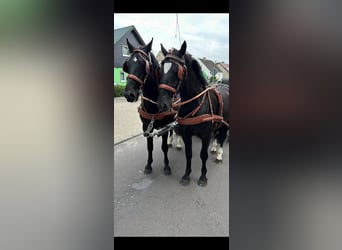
pixel 138 67
pixel 172 72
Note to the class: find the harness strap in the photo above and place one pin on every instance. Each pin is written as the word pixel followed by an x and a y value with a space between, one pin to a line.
pixel 149 100
pixel 187 120
pixel 135 78
pixel 176 58
pixel 192 113
pixel 142 52
pixel 167 87
pixel 156 117
pixel 200 119
pixel 220 101
pixel 195 97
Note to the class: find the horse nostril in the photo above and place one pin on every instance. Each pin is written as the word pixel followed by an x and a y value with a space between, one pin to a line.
pixel 129 96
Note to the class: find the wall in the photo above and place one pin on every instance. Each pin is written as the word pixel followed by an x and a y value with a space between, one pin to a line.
pixel 117 76
pixel 118 58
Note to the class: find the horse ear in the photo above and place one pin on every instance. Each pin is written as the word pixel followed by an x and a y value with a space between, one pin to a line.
pixel 149 46
pixel 183 49
pixel 164 51
pixel 130 46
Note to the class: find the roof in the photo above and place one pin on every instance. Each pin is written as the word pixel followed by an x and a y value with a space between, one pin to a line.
pixel 210 64
pixel 121 32
pixel 223 66
pixel 226 65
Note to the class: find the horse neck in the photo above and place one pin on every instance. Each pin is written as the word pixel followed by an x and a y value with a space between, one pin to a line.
pixel 191 86
pixel 150 87
pixel 151 91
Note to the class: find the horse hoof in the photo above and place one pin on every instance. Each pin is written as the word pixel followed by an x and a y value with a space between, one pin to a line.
pixel 218 161
pixel 179 147
pixel 148 171
pixel 167 171
pixel 185 182
pixel 213 150
pixel 202 182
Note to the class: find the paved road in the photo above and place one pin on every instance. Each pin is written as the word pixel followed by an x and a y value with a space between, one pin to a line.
pixel 157 205
pixel 127 123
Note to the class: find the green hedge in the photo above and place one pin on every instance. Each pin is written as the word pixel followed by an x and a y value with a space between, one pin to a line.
pixel 118 90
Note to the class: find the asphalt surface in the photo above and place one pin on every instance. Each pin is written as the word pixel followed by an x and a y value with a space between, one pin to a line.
pixel 158 205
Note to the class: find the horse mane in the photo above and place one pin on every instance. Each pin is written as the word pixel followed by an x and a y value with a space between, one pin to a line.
pixel 192 62
pixel 154 61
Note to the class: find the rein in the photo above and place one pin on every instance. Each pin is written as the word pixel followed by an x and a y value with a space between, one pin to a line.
pixel 149 116
pixel 191 119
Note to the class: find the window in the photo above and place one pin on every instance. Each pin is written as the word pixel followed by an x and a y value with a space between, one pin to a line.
pixel 125 51
pixel 122 76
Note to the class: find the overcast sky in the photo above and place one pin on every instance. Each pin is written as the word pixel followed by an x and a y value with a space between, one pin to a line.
pixel 206 35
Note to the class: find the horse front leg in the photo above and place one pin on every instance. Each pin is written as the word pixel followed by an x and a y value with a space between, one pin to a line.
pixel 188 154
pixel 165 148
pixel 204 156
pixel 148 167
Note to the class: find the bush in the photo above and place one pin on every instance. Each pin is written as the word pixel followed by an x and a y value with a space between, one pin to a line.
pixel 118 90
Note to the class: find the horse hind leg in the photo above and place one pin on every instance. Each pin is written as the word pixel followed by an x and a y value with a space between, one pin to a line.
pixel 165 148
pixel 179 142
pixel 204 157
pixel 213 148
pixel 221 137
pixel 219 154
pixel 188 154
pixel 170 139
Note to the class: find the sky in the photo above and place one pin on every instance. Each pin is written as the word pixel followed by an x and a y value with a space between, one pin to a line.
pixel 206 35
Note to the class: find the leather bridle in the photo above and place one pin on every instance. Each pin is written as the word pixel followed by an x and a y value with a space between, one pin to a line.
pixel 181 74
pixel 147 58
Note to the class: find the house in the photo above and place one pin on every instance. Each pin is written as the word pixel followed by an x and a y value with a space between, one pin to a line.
pixel 210 69
pixel 160 56
pixel 121 52
pixel 224 69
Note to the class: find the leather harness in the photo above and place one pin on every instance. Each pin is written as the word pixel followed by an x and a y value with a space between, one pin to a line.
pixel 141 109
pixel 190 118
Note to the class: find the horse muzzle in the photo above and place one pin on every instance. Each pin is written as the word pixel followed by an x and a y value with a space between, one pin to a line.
pixel 131 96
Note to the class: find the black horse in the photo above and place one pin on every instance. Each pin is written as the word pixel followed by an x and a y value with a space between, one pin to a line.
pixel 142 68
pixel 202 109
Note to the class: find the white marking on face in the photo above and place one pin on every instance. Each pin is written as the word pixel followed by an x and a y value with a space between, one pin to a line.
pixel 135 59
pixel 167 67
